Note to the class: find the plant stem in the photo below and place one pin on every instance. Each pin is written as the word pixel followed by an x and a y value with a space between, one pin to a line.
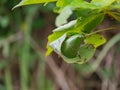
pixel 101 30
pixel 8 79
pixel 25 53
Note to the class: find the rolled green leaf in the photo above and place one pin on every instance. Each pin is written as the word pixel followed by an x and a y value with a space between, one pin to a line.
pixel 71 45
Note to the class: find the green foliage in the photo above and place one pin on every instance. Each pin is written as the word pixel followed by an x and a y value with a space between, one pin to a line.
pixel 67 39
pixel 71 45
pixel 95 39
pixel 64 15
pixel 27 2
pixel 86 52
pixel 87 24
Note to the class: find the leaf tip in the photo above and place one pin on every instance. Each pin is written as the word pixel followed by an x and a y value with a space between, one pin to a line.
pixel 15 7
pixel 19 4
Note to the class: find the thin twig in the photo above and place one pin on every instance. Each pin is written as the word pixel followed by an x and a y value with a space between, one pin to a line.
pixel 101 30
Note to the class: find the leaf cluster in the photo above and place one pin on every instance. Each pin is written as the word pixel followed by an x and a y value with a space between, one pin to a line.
pixel 74 41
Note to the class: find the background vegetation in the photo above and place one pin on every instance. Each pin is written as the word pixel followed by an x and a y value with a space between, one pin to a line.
pixel 23 65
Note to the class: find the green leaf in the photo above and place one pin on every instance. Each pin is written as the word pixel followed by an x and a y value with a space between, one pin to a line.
pixel 56 44
pixel 51 38
pixel 85 53
pixel 82 12
pixel 66 27
pixel 80 54
pixel 58 32
pixel 71 45
pixel 95 39
pixel 28 2
pixel 103 3
pixel 87 24
pixel 83 4
pixel 115 6
pixel 94 23
pixel 63 3
pixel 83 25
pixel 63 16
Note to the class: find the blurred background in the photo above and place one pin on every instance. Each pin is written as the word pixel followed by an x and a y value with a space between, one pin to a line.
pixel 24 66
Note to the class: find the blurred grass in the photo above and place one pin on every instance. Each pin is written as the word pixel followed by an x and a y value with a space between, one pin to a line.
pixel 8 79
pixel 23 66
pixel 20 20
